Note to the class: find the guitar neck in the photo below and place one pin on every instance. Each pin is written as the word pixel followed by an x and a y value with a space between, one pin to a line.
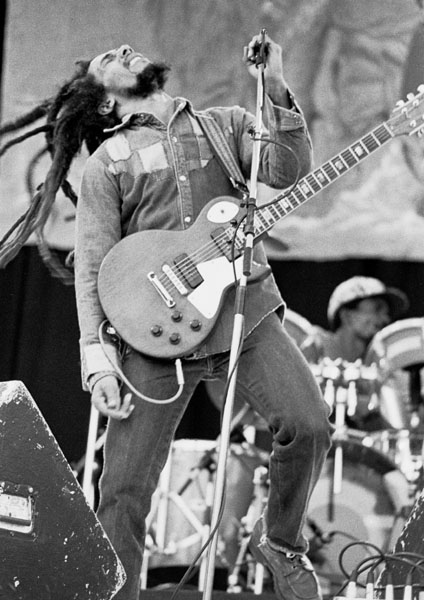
pixel 285 203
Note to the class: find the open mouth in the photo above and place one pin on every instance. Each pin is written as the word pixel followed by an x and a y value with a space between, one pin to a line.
pixel 136 64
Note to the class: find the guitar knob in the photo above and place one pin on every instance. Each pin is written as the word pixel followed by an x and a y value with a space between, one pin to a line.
pixel 177 316
pixel 156 330
pixel 195 324
pixel 175 338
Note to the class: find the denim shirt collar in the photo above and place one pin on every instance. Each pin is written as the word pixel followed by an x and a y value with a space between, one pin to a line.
pixel 146 118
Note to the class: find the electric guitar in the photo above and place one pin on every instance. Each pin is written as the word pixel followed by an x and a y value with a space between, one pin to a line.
pixel 163 290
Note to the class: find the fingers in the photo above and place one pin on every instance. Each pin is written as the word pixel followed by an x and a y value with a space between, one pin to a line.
pixel 251 51
pixel 107 399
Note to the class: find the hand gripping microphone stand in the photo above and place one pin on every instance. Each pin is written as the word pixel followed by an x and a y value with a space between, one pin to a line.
pixel 237 336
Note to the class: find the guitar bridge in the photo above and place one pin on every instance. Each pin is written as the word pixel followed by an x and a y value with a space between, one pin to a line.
pixel 163 293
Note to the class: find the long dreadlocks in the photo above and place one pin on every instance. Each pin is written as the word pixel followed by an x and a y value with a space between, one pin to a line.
pixel 71 120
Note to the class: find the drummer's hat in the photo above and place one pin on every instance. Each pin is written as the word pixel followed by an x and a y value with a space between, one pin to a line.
pixel 358 288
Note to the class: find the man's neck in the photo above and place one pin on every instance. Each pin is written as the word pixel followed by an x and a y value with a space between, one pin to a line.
pixel 159 104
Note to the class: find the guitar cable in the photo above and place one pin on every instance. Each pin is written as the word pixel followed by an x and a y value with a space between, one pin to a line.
pixel 118 370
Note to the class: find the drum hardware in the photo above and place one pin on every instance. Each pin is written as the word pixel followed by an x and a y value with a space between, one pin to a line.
pixel 340 379
pixel 405 448
pixel 157 543
pixel 255 573
pixel 178 524
pixel 415 395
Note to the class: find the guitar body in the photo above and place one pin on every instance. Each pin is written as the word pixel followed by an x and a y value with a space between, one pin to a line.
pixel 166 311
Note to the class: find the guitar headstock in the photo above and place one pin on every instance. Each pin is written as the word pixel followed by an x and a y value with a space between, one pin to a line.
pixel 408 116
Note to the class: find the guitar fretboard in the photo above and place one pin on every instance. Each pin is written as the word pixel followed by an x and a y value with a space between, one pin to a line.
pixel 285 203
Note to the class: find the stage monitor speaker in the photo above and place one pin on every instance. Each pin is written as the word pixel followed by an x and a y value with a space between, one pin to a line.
pixel 52 545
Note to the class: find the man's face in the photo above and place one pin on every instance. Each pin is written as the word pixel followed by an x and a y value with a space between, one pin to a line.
pixel 128 74
pixel 368 317
pixel 118 69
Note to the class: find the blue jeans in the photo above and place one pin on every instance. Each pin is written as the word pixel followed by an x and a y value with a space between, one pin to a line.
pixel 275 379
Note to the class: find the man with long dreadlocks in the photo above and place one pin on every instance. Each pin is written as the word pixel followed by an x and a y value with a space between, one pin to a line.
pixel 159 164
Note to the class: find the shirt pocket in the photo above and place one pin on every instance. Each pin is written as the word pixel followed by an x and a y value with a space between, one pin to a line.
pixel 197 151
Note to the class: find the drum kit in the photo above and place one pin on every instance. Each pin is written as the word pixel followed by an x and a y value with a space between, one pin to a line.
pixel 367 488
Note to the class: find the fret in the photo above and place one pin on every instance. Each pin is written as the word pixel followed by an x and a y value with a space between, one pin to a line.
pixel 322 176
pixel 294 201
pixel 266 215
pixel 286 203
pixel 374 136
pixel 260 222
pixel 330 171
pixel 313 182
pixel 339 164
pixel 360 149
pixel 349 157
pixel 382 134
pixel 274 212
pixel 307 190
pixel 298 192
pixel 372 142
pixel 239 240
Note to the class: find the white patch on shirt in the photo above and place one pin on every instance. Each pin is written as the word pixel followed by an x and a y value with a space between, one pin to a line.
pixel 153 157
pixel 118 147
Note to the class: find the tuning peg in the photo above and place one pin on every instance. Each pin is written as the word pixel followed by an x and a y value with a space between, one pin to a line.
pixel 400 103
pixel 410 96
pixel 420 88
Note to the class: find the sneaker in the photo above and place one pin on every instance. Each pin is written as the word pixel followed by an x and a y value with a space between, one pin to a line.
pixel 293 574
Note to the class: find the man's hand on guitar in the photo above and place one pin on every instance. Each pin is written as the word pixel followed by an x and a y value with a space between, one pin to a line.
pixel 107 399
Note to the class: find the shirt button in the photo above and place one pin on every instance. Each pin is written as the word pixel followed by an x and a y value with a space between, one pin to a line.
pixel 174 139
pixel 187 219
pixel 183 177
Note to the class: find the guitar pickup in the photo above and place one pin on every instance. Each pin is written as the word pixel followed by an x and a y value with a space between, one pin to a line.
pixel 187 269
pixel 225 243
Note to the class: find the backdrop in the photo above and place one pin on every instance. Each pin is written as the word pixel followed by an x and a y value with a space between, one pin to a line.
pixel 347 62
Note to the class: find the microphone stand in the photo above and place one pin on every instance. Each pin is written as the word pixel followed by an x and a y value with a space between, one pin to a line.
pixel 237 336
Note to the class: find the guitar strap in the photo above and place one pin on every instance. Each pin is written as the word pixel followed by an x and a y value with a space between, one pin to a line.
pixel 223 152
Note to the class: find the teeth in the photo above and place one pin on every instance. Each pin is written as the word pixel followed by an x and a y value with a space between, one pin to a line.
pixel 136 64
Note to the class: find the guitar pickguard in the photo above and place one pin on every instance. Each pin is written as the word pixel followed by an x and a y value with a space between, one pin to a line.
pixel 218 274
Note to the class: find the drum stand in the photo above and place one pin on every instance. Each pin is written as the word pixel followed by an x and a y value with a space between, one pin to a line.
pixel 156 541
pixel 415 393
pixel 255 573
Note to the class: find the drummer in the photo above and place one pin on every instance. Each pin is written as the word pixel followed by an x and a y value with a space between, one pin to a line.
pixel 358 309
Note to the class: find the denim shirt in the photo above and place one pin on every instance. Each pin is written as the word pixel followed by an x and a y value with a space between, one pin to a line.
pixel 149 175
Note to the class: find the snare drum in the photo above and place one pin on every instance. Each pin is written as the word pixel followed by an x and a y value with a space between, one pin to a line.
pixel 178 521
